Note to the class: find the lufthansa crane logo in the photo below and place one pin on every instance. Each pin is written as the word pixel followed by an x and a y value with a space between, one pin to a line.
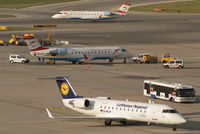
pixel 64 88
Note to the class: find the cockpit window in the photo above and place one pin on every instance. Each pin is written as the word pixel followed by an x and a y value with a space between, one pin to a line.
pixel 123 50
pixel 169 111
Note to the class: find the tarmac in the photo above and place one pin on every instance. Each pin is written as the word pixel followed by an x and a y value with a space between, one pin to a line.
pixel 24 96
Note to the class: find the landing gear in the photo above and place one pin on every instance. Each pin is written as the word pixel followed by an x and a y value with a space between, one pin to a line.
pixel 123 122
pixel 108 122
pixel 124 60
pixel 73 62
pixel 174 128
pixel 110 60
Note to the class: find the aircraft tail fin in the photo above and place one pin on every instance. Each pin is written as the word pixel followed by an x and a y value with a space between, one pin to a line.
pixel 65 88
pixel 123 9
pixel 33 44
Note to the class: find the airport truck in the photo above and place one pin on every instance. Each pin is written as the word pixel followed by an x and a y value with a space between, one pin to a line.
pixel 145 58
pixel 166 58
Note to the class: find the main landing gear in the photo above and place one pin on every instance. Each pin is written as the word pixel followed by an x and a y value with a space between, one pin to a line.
pixel 174 128
pixel 110 60
pixel 108 122
pixel 124 60
pixel 123 122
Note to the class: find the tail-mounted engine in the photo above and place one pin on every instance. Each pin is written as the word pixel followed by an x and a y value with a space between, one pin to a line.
pixel 80 103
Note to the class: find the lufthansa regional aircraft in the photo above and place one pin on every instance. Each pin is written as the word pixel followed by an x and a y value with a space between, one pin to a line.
pixel 93 15
pixel 76 54
pixel 104 108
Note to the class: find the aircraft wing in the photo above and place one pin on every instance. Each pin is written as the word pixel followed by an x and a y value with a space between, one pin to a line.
pixel 83 117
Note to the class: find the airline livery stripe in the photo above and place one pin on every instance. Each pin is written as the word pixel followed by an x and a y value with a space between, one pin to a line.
pixel 39 48
pixel 119 11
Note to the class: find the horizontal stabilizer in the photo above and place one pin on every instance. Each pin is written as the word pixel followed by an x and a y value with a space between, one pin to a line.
pixel 83 117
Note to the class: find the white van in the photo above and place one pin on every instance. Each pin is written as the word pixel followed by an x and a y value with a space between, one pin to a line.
pixel 174 64
pixel 16 58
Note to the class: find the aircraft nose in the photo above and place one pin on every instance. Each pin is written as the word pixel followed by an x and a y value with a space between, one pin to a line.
pixel 182 120
pixel 54 16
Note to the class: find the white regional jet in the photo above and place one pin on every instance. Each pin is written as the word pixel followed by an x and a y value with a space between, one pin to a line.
pixel 76 54
pixel 93 15
pixel 104 108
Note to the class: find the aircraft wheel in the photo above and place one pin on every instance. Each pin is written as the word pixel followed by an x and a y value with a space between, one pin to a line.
pixel 108 122
pixel 124 61
pixel 174 128
pixel 73 62
pixel 110 60
pixel 123 122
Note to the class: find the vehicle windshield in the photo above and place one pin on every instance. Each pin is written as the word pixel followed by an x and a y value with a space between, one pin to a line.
pixel 171 62
pixel 185 92
pixel 169 111
pixel 124 50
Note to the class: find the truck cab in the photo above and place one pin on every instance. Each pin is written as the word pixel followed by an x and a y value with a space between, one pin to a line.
pixel 145 58
pixel 16 58
pixel 174 64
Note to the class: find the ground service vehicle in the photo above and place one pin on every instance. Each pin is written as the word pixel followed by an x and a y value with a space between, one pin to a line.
pixel 145 58
pixel 166 58
pixel 169 91
pixel 15 58
pixel 174 64
pixel 1 42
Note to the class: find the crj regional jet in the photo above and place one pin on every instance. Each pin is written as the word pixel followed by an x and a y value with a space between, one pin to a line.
pixel 104 108
pixel 76 54
pixel 93 15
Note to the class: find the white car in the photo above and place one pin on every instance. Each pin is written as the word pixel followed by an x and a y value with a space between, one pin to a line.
pixel 174 64
pixel 16 58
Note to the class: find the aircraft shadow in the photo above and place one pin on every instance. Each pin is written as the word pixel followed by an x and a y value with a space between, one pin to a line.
pixel 138 77
pixel 191 67
pixel 100 21
pixel 190 125
pixel 86 63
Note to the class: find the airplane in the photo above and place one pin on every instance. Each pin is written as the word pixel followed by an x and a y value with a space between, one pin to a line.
pixel 104 108
pixel 93 15
pixel 75 55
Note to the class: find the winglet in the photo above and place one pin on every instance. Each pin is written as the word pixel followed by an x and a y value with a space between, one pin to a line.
pixel 49 114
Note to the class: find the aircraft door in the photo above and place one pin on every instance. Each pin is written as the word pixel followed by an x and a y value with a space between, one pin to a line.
pixel 154 116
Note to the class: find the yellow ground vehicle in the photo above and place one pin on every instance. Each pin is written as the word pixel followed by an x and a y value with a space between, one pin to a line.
pixel 166 58
pixel 1 42
pixel 18 39
pixel 145 58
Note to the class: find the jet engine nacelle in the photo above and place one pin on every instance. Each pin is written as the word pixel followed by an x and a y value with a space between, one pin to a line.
pixel 58 51
pixel 82 103
pixel 107 13
pixel 100 97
